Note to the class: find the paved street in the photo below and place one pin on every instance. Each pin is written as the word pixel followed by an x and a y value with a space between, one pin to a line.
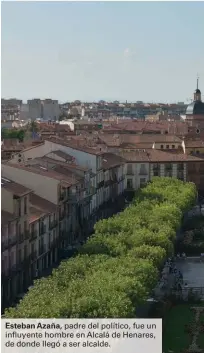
pixel 193 271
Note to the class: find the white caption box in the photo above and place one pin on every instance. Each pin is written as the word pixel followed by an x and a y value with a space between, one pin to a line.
pixel 81 335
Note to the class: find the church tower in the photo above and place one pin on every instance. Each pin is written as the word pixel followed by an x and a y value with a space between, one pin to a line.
pixel 197 93
pixel 195 110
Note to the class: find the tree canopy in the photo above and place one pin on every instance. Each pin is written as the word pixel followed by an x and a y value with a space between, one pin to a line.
pixel 118 267
pixel 12 133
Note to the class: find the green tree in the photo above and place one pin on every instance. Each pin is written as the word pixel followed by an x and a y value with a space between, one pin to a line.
pixel 21 135
pixel 119 265
pixel 33 126
pixel 156 254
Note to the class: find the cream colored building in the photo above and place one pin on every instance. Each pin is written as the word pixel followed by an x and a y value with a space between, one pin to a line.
pixel 14 238
pixel 84 157
pixel 29 237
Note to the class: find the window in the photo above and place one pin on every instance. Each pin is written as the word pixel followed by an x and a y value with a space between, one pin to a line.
pixel 180 166
pixel 143 169
pixel 19 255
pixel 197 131
pixel 32 228
pixel 32 248
pixel 25 205
pixel 173 146
pixel 156 166
pixel 19 208
pixel 129 169
pixel 142 181
pixel 25 250
pixel 167 146
pixel 162 146
pixel 19 229
pixel 197 152
pixel 129 184
pixel 168 166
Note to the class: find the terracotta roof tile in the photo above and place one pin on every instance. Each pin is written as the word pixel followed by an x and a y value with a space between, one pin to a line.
pixel 63 155
pixel 15 188
pixel 32 147
pixel 122 139
pixel 35 214
pixel 71 166
pixel 175 128
pixel 37 169
pixel 147 145
pixel 42 204
pixel 111 160
pixel 194 143
pixel 155 156
pixel 78 145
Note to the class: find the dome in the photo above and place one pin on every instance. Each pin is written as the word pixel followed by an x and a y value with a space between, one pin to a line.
pixel 197 91
pixel 195 108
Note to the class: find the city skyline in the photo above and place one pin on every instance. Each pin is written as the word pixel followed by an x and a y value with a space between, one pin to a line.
pixel 102 51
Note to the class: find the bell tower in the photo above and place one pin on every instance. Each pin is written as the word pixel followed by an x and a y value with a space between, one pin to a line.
pixel 197 94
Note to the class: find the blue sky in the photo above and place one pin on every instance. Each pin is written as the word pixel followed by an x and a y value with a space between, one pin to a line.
pixel 150 51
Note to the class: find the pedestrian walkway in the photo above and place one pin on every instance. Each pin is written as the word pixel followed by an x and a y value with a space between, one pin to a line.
pixel 192 270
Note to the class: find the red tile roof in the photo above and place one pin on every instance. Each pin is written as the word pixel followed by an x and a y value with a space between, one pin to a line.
pixel 123 139
pixel 14 188
pixel 155 156
pixel 71 166
pixel 175 128
pixel 42 204
pixel 194 143
pixel 63 155
pixel 75 144
pixel 111 160
pixel 35 214
pixel 37 169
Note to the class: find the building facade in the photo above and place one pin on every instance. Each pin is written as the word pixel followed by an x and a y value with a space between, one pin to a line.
pixel 195 111
pixel 34 109
pixel 50 110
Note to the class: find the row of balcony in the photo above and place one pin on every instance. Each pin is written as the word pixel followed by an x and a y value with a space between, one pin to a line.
pixel 143 171
pixel 78 197
pixel 29 259
pixel 20 265
pixel 113 181
pixel 18 239
pixel 156 168
pixel 169 173
pixel 5 244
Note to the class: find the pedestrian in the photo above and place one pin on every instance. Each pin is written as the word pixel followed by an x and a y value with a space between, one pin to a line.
pixel 179 287
pixel 180 276
pixel 185 291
